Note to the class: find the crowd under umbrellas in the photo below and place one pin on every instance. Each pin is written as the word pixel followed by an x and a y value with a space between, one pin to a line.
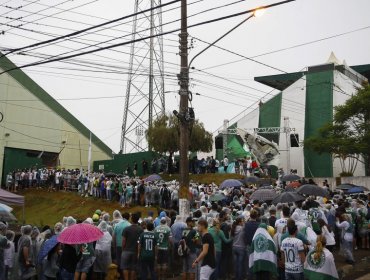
pixel 232 204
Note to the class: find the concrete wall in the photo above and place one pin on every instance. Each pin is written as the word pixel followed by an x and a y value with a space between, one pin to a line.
pixel 30 124
pixel 358 181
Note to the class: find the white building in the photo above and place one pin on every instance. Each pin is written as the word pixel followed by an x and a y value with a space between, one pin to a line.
pixel 306 102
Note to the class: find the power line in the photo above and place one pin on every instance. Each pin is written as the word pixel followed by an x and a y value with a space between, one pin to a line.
pixel 121 37
pixel 92 27
pixel 148 37
pixel 113 59
pixel 79 6
pixel 189 16
pixel 12 10
pixel 80 22
pixel 229 80
pixel 293 47
pixel 240 55
pixel 104 68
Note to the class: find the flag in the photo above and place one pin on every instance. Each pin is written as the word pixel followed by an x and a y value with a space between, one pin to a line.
pixel 263 253
pixel 89 158
pixel 321 269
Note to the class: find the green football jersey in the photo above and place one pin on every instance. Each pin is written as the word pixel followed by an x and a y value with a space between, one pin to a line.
pixel 163 233
pixel 148 241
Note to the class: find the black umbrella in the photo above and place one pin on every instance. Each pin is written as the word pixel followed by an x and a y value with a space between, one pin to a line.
pixel 286 197
pixel 251 180
pixel 312 190
pixel 290 177
pixel 290 189
pixel 263 195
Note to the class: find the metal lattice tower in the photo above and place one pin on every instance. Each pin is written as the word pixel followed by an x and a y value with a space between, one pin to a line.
pixel 145 84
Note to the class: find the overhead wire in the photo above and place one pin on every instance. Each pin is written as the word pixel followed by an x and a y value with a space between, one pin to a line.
pixel 12 10
pixel 75 7
pixel 189 4
pixel 99 55
pixel 201 12
pixel 148 37
pixel 92 27
pixel 220 6
pixel 240 55
pixel 85 23
pixel 293 46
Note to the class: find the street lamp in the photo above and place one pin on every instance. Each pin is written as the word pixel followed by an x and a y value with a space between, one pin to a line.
pixel 256 13
pixel 184 112
pixel 259 12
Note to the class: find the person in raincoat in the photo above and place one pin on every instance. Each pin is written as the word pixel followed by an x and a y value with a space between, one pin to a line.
pixel 3 246
pixel 320 263
pixel 103 252
pixel 9 254
pixel 25 258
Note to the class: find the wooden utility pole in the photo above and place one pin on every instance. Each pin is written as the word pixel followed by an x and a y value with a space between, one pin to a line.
pixel 184 204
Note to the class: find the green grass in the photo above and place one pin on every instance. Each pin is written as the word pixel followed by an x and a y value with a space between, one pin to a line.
pixel 47 208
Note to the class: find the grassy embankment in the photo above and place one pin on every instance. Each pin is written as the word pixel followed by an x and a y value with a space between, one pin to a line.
pixel 47 208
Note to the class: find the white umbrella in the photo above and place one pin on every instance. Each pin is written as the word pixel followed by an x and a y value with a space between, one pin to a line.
pixel 6 207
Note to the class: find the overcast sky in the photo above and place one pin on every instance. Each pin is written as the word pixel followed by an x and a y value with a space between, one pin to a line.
pixel 222 97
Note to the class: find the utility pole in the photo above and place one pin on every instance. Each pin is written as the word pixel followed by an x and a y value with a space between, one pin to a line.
pixel 287 138
pixel 184 204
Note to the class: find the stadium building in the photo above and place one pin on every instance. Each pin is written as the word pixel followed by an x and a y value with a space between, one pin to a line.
pixel 36 131
pixel 305 103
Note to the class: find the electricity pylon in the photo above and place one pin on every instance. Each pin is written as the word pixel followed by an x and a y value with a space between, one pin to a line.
pixel 145 98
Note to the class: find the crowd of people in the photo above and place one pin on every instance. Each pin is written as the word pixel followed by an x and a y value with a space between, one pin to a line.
pixel 233 238
pixel 76 179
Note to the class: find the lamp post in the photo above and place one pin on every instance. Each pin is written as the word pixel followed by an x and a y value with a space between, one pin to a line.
pixel 186 116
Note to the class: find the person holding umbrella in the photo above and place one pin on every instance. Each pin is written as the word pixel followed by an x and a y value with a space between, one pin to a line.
pixel 77 258
pixel 68 262
pixel 50 263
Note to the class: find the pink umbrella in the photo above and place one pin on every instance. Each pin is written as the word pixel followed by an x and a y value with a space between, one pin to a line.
pixel 79 234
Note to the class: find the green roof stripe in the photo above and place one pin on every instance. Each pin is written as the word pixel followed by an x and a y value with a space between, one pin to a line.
pixel 280 81
pixel 23 79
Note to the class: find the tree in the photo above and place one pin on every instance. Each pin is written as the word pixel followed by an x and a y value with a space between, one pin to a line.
pixel 163 136
pixel 348 137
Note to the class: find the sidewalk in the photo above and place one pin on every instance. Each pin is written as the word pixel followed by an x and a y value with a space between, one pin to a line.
pixel 361 269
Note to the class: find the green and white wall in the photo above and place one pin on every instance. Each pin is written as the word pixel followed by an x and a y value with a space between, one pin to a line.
pixel 308 100
pixel 34 122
